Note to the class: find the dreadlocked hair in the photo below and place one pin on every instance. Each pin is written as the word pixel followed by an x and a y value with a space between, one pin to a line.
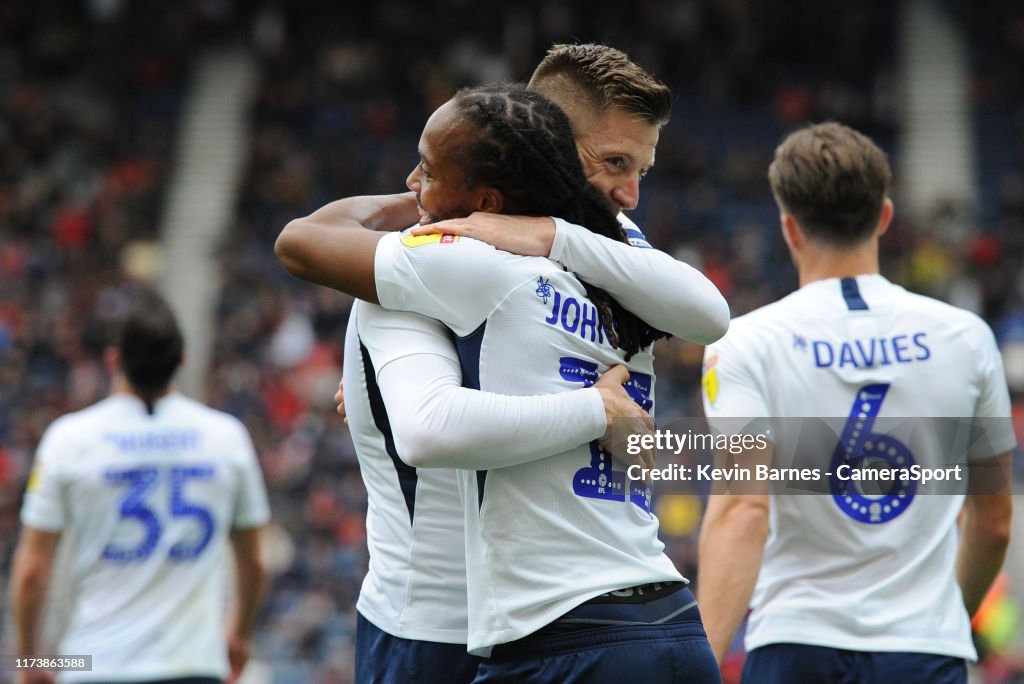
pixel 525 149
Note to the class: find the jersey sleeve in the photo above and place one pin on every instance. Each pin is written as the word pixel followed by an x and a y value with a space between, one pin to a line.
pixel 43 507
pixel 457 280
pixel 251 508
pixel 438 423
pixel 664 292
pixel 993 433
pixel 732 392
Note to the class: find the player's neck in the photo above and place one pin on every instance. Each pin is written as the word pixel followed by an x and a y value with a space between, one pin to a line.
pixel 817 263
pixel 119 385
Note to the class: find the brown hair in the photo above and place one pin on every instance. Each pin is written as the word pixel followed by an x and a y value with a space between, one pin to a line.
pixel 833 180
pixel 589 80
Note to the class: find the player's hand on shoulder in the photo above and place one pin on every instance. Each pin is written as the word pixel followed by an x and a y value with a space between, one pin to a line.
pixel 624 418
pixel 525 235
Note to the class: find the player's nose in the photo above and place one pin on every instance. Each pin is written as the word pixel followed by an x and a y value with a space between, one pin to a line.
pixel 627 193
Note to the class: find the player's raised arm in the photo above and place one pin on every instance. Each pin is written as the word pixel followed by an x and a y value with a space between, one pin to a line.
pixel 335 245
pixel 665 293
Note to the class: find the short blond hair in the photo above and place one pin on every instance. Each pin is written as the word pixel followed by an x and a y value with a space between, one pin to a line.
pixel 589 80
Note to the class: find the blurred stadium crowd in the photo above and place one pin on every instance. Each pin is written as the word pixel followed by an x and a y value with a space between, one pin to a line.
pixel 90 96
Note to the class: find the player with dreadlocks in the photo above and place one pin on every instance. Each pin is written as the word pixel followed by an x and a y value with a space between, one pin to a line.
pixel 558 542
pixel 545 182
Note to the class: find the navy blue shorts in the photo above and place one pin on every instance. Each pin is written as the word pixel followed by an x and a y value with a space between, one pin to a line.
pixel 385 659
pixel 653 636
pixel 787 663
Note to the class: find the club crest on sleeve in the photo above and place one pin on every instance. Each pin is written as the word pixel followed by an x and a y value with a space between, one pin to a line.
pixel 420 240
pixel 710 379
pixel 34 478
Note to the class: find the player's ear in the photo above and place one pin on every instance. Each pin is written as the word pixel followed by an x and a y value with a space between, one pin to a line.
pixel 112 360
pixel 490 200
pixel 885 218
pixel 791 232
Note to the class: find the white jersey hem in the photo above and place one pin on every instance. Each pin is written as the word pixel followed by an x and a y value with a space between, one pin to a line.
pixel 419 633
pixel 482 641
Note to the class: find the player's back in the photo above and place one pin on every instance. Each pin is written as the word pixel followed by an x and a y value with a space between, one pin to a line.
pixel 861 565
pixel 146 503
pixel 415 587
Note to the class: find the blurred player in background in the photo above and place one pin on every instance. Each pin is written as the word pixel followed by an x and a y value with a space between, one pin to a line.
pixel 852 587
pixel 406 403
pixel 548 540
pixel 150 489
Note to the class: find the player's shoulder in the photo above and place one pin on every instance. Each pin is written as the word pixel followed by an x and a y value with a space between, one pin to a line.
pixel 938 309
pixel 760 325
pixel 468 255
pixel 426 243
pixel 93 418
pixel 955 320
pixel 69 433
pixel 442 243
pixel 374 322
pixel 213 422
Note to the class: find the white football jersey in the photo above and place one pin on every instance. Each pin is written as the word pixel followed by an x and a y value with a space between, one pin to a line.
pixel 402 374
pixel 544 536
pixel 147 503
pixel 854 567
pixel 416 584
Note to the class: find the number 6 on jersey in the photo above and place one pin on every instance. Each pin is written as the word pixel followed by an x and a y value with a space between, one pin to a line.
pixel 860 448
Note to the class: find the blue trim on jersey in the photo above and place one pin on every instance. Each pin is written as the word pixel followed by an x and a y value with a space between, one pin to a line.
pixel 407 475
pixel 851 293
pixel 637 239
pixel 468 348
